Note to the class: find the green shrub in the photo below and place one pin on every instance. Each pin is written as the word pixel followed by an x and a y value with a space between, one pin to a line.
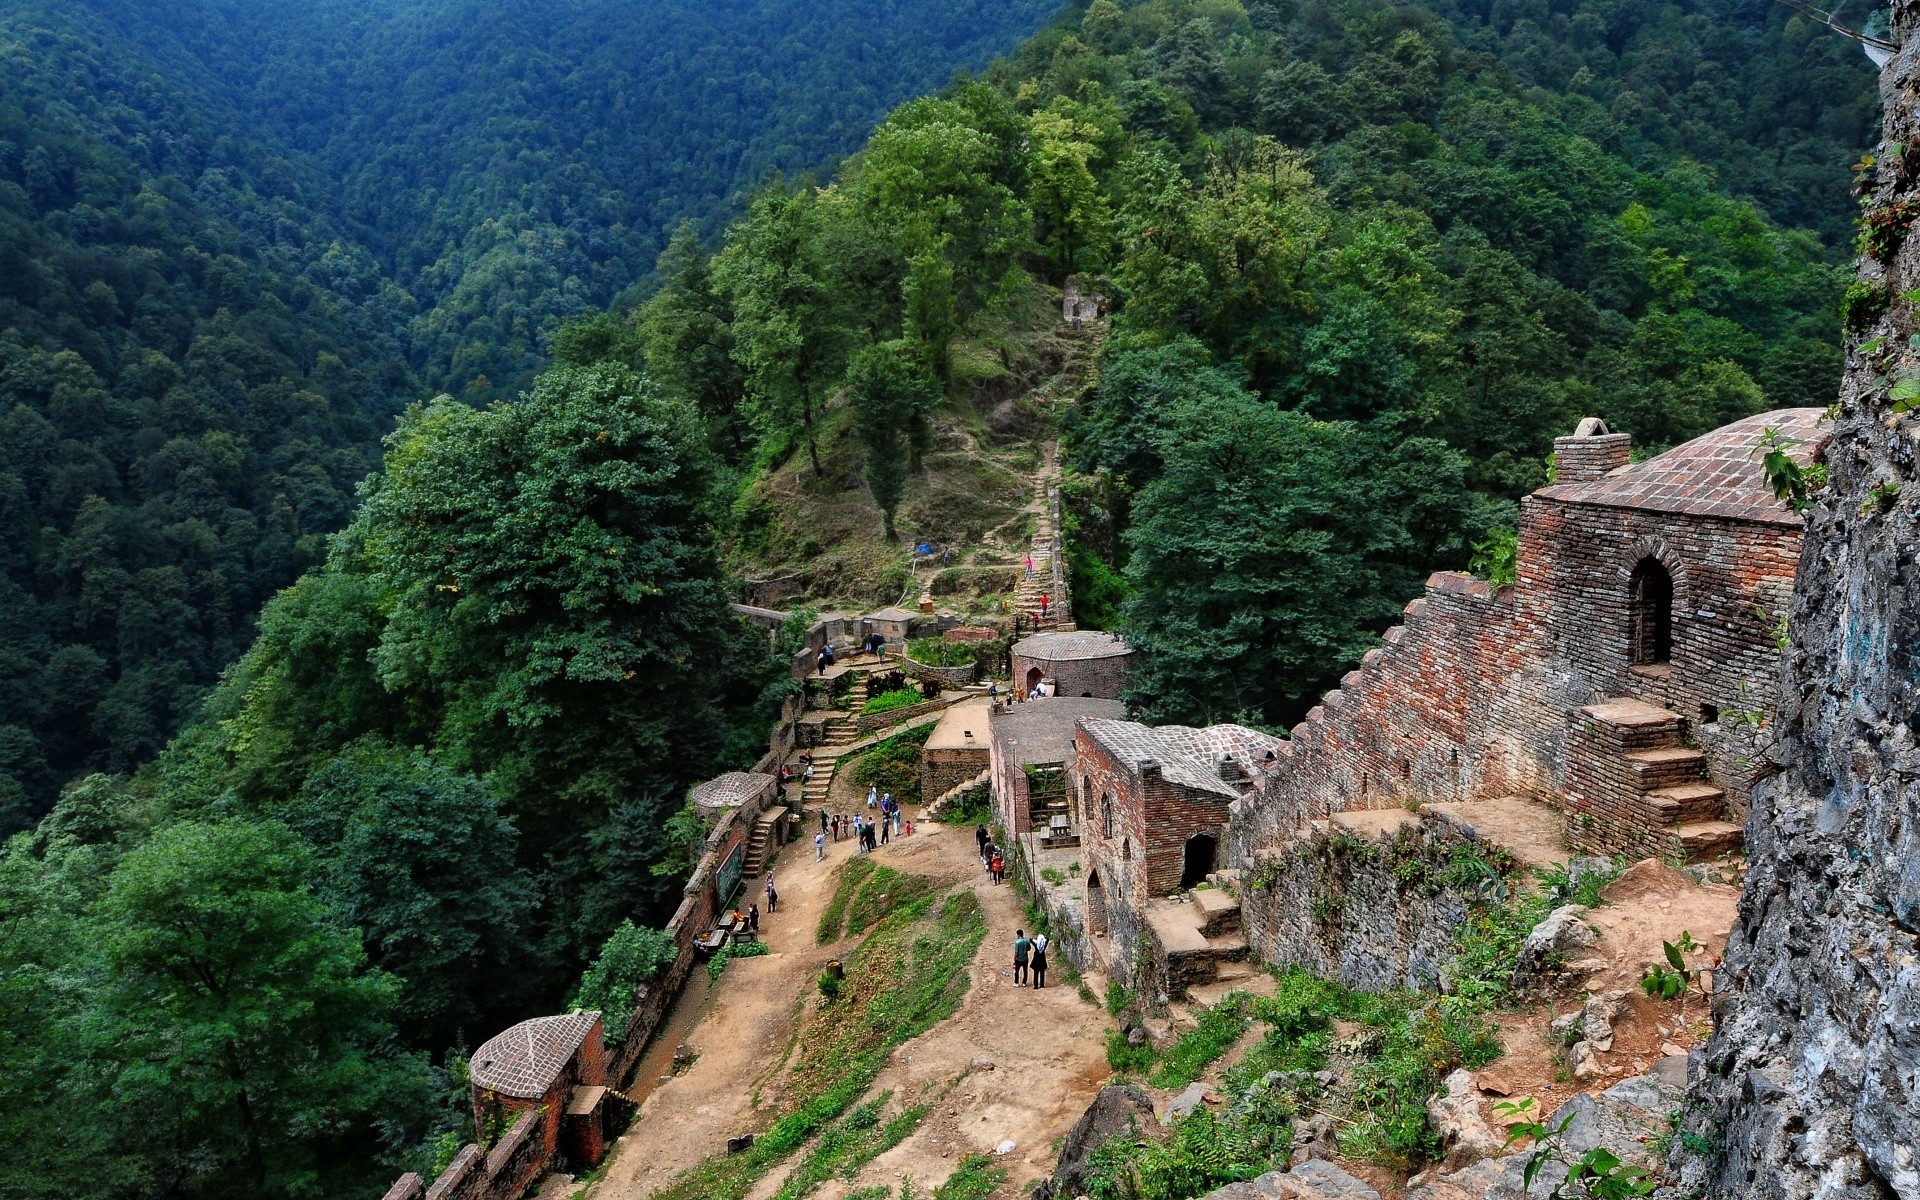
pixel 1118 997
pixel 890 701
pixel 629 957
pixel 976 1179
pixel 717 965
pixel 1199 1047
pixel 1053 875
pixel 938 652
pixel 1126 1059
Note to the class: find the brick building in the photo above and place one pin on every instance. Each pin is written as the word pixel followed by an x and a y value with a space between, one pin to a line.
pixel 1031 746
pixel 555 1067
pixel 1625 679
pixel 1075 663
pixel 1152 805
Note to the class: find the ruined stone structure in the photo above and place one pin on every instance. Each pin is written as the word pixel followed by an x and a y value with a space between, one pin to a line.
pixel 1152 806
pixel 1624 682
pixel 734 789
pixel 1083 663
pixel 1810 1086
pixel 956 750
pixel 1624 677
pixel 1032 746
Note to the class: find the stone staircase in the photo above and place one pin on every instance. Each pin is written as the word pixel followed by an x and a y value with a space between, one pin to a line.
pixel 1028 590
pixel 826 756
pixel 1200 939
pixel 1634 786
pixel 763 843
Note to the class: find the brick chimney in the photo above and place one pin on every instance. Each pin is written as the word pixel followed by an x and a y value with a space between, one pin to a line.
pixel 1590 453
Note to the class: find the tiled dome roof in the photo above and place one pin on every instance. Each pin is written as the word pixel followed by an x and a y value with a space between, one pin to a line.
pixel 525 1060
pixel 1714 475
pixel 1075 644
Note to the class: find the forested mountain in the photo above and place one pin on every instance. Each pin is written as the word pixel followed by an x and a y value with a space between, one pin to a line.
pixel 1364 259
pixel 236 237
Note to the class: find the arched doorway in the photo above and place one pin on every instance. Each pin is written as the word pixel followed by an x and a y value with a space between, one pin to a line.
pixel 1034 676
pixel 1198 863
pixel 1650 614
pixel 1096 904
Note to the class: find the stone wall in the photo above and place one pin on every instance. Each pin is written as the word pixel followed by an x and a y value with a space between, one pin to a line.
pixel 1381 899
pixel 1456 704
pixel 1135 824
pixel 941 770
pixel 1808 1085
pixel 1101 678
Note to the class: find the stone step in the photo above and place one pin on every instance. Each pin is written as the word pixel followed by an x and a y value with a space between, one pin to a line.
pixel 1666 766
pixel 1219 912
pixel 1701 841
pixel 1686 802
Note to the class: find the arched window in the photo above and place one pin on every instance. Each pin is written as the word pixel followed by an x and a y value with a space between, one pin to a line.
pixel 1650 614
pixel 1106 813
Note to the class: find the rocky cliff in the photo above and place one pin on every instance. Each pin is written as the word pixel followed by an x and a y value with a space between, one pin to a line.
pixel 1810 1085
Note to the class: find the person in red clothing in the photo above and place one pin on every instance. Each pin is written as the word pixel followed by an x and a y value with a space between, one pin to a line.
pixel 1043 606
pixel 998 867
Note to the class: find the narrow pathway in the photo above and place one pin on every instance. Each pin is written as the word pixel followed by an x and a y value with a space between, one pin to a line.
pixel 1047 1048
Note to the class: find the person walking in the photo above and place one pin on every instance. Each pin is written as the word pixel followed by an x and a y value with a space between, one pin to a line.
pixel 820 846
pixel 1043 606
pixel 999 868
pixel 1039 960
pixel 980 839
pixel 753 918
pixel 823 820
pixel 773 895
pixel 1029 566
pixel 1022 948
pixel 886 829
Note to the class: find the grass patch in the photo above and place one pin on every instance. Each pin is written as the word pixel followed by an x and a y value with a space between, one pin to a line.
pixel 885 891
pixel 909 975
pixel 938 652
pixel 1053 875
pixel 893 766
pixel 975 808
pixel 1118 997
pixel 851 1143
pixel 1198 1048
pixel 976 1179
pixel 865 895
pixel 889 701
pixel 1128 1059
pixel 853 873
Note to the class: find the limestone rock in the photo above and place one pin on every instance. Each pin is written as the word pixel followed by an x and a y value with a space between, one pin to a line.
pixel 1598 1016
pixel 1455 1117
pixel 1183 1105
pixel 1314 1180
pixel 1115 1112
pixel 1583 1061
pixel 1557 937
pixel 1313 1138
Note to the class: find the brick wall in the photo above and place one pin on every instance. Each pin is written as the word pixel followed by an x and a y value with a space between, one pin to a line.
pixel 1102 678
pixel 943 769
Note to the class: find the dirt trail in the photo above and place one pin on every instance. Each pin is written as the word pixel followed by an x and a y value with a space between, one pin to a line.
pixel 1047 1047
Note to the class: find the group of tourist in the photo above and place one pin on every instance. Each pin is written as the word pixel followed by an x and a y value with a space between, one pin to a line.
pixel 990 856
pixel 1029 959
pixel 871 832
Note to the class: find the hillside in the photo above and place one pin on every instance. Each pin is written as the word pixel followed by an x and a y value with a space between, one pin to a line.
pixel 236 239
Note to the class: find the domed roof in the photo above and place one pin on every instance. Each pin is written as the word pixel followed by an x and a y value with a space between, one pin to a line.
pixel 1073 645
pixel 1718 474
pixel 523 1061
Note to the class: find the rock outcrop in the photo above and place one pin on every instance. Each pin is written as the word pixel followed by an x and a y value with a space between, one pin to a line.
pixel 1808 1085
pixel 1115 1112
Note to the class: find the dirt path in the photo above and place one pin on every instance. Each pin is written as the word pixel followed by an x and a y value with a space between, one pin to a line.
pixel 1047 1047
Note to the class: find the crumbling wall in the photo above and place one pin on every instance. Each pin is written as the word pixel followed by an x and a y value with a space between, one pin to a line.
pixel 1456 704
pixel 1808 1087
pixel 1374 907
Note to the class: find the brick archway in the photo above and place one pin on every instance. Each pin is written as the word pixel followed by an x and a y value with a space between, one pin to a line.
pixel 1096 904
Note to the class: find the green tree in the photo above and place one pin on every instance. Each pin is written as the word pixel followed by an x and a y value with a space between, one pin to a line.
pixel 892 397
pixel 1063 192
pixel 787 338
pixel 421 861
pixel 687 328
pixel 1264 559
pixel 238 1022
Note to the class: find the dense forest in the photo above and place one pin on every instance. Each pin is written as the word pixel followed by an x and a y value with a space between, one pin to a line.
pixel 1365 260
pixel 236 238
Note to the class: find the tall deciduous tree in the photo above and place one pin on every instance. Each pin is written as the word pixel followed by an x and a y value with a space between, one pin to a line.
pixel 240 1032
pixel 892 396
pixel 786 336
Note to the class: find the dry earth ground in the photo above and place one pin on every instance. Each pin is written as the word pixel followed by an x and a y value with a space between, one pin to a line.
pixel 1047 1047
